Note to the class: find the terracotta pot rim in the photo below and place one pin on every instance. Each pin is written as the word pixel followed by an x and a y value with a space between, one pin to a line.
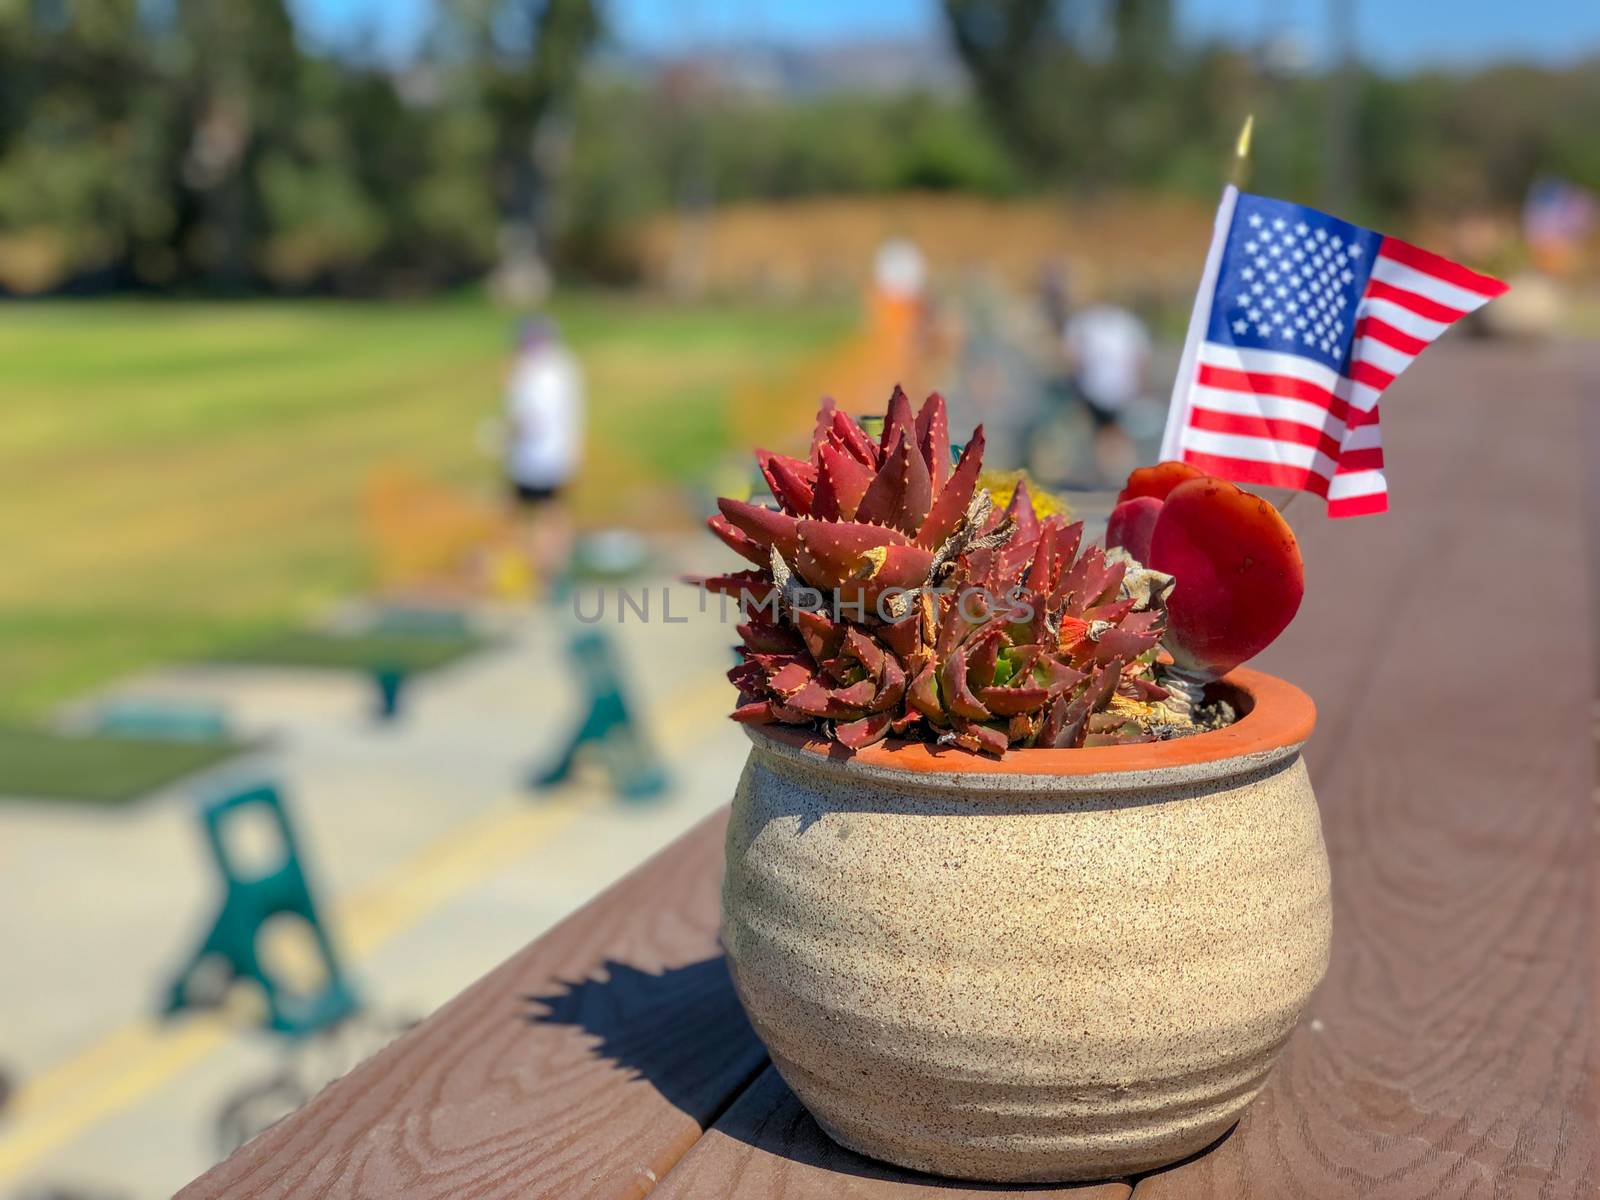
pixel 1279 721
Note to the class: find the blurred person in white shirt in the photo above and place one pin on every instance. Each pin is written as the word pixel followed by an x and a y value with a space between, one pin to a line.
pixel 544 440
pixel 1107 351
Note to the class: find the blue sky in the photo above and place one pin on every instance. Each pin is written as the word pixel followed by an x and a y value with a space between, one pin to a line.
pixel 1391 33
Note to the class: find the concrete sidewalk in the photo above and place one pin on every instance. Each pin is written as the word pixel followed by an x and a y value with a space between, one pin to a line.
pixel 431 862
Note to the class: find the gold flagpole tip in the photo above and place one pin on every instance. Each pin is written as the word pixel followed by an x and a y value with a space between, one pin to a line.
pixel 1241 148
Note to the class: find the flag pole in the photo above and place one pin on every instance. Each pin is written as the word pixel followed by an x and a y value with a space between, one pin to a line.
pixel 1200 318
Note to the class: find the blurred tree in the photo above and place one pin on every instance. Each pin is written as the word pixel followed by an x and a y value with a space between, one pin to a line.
pixel 202 144
pixel 239 74
pixel 531 55
pixel 1089 90
pixel 1009 48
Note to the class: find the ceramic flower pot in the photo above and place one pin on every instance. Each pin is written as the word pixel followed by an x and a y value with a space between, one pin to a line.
pixel 1059 965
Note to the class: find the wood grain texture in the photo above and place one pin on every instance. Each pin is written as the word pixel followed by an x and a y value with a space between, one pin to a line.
pixel 586 1065
pixel 767 1147
pixel 1450 1051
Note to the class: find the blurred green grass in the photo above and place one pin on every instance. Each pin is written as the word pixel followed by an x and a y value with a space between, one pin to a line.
pixel 182 477
pixel 98 770
pixel 353 652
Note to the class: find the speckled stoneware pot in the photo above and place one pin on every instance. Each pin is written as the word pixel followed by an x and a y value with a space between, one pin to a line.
pixel 1059 965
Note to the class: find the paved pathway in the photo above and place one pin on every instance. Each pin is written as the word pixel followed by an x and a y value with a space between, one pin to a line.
pixel 431 860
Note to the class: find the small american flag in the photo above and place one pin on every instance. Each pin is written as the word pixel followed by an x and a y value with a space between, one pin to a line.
pixel 1301 322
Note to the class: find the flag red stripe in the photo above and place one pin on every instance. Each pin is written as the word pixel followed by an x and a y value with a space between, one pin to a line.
pixel 1370 459
pixel 1359 506
pixel 1261 474
pixel 1430 263
pixel 1382 331
pixel 1271 428
pixel 1257 383
pixel 1420 305
pixel 1374 377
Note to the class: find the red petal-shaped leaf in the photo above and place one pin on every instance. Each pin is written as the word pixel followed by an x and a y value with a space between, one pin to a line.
pixel 817 701
pixel 1010 701
pixel 1023 659
pixel 1073 718
pixel 897 421
pixel 1020 510
pixel 763 637
pixel 855 440
pixel 982 651
pixel 903 568
pixel 1137 687
pixel 1158 481
pixel 749 677
pixel 843 671
pixel 790 678
pixel 821 636
pixel 1068 539
pixel 950 505
pixel 856 734
pixel 901 492
pixel 790 479
pixel 857 695
pixel 903 636
pixel 970 735
pixel 892 687
pixel 1240 578
pixel 773 663
pixel 763 526
pixel 1131 524
pixel 738 541
pixel 960 698
pixel 831 552
pixel 866 651
pixel 933 438
pixel 923 694
pixel 1090 580
pixel 759 712
pixel 1123 644
pixel 1045 569
pixel 903 722
pixel 843 480
pixel 1111 610
pixel 1141 622
pixel 1056 676
pixel 819 432
pixel 757 585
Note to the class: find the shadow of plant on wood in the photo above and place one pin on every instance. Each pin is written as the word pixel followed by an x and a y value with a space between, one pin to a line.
pixel 680 1029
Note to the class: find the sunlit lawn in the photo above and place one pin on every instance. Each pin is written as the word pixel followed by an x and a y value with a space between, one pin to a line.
pixel 179 476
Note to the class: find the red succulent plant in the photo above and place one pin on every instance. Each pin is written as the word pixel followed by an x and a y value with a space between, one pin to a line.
pixel 859 516
pixel 931 615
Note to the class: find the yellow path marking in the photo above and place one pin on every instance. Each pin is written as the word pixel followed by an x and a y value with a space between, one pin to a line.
pixel 133 1060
